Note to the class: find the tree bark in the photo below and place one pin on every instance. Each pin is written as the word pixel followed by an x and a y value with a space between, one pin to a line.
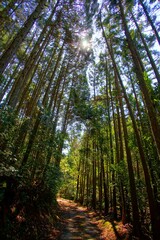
pixel 135 209
pixel 150 21
pixel 139 69
pixel 20 36
pixel 147 50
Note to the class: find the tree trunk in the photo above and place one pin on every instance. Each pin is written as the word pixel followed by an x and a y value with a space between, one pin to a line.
pixel 150 21
pixel 114 201
pixel 21 80
pixel 139 69
pixel 11 78
pixel 135 210
pixel 147 50
pixel 23 90
pixel 20 36
pixel 93 178
pixel 151 199
pixel 31 140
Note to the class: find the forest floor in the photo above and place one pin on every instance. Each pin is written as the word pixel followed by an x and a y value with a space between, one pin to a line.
pixel 79 223
pixel 68 221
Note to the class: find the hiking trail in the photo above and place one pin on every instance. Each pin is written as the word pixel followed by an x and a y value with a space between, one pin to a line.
pixel 78 223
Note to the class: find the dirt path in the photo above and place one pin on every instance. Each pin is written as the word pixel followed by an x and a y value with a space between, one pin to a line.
pixel 78 223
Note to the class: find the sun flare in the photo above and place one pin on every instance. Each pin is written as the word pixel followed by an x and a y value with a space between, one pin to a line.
pixel 85 44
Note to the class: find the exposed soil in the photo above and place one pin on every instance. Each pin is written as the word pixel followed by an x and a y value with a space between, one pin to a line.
pixel 77 223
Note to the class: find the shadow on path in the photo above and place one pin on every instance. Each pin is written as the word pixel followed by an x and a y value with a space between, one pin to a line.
pixel 78 223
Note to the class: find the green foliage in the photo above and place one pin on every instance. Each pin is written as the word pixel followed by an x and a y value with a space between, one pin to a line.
pixel 33 203
pixel 148 81
pixel 91 8
pixel 69 168
pixel 9 124
pixel 52 182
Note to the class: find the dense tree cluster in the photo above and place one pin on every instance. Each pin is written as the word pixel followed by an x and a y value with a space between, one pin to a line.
pixel 89 67
pixel 118 166
pixel 41 65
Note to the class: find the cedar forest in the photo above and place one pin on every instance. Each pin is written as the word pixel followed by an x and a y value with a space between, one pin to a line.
pixel 80 109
